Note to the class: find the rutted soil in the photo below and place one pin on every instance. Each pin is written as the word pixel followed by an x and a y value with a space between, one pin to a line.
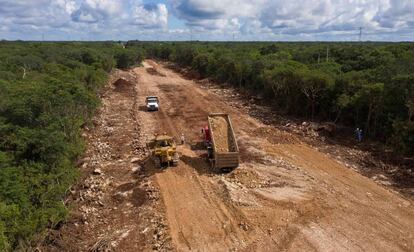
pixel 285 195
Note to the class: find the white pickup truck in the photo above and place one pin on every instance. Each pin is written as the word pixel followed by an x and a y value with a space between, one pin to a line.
pixel 152 103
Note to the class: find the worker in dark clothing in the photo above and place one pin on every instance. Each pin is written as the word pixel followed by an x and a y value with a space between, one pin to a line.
pixel 358 134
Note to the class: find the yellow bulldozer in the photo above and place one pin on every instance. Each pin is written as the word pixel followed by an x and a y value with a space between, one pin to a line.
pixel 164 151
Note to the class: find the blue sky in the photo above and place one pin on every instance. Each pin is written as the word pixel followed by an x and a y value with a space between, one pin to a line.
pixel 275 20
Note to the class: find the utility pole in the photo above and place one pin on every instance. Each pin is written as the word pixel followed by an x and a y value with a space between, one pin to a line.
pixel 360 34
pixel 43 37
pixel 327 53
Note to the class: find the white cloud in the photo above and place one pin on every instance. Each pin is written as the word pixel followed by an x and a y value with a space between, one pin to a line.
pixel 36 12
pixel 150 16
pixel 397 14
pixel 78 19
pixel 256 19
pixel 298 17
pixel 93 11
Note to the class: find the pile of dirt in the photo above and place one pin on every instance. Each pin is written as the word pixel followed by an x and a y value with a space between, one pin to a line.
pixel 222 136
pixel 187 73
pixel 122 85
pixel 205 82
pixel 139 197
pixel 247 178
pixel 154 71
pixel 276 136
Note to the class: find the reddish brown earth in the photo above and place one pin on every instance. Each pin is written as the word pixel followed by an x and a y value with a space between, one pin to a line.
pixel 285 196
pixel 223 139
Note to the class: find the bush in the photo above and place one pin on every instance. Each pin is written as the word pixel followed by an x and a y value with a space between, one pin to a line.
pixel 4 245
pixel 128 58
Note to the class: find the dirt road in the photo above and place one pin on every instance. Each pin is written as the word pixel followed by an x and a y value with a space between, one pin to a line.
pixel 285 196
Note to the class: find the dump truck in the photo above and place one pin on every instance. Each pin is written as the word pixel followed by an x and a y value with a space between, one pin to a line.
pixel 164 151
pixel 223 151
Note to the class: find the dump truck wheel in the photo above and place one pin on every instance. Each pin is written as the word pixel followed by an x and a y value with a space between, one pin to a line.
pixel 212 165
pixel 225 170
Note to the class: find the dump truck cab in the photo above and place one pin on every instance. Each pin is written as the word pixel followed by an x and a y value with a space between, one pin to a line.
pixel 206 135
pixel 205 131
pixel 152 103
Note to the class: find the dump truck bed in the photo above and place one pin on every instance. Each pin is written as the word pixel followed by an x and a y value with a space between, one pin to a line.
pixel 224 144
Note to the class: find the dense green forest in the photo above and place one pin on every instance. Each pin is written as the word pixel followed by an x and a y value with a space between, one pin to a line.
pixel 365 85
pixel 48 91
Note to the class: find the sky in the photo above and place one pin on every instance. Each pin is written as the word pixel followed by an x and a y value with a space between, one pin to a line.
pixel 218 20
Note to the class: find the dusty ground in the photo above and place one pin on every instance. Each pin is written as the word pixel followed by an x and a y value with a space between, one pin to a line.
pixel 286 195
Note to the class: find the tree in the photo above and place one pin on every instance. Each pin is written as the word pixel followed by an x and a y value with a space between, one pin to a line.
pixel 4 245
pixel 341 103
pixel 107 63
pixel 314 83
pixel 285 80
pixel 410 105
pixel 201 63
pixel 269 49
pixel 124 60
pixel 370 95
pixel 403 136
pixel 88 58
